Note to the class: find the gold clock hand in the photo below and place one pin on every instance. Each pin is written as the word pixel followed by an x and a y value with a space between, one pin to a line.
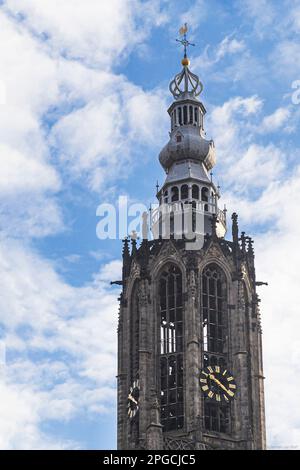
pixel 130 397
pixel 219 383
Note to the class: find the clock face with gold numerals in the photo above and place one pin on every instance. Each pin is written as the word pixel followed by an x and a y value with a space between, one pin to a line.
pixel 133 399
pixel 218 384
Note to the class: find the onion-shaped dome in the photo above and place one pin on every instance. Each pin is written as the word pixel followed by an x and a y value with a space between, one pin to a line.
pixel 186 143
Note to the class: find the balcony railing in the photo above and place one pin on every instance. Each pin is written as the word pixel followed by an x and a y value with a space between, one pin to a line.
pixel 206 208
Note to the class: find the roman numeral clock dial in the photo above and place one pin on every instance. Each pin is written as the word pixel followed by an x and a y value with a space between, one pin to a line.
pixel 218 384
pixel 133 399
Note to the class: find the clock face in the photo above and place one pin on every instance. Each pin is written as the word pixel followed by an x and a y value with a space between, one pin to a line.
pixel 218 384
pixel 133 399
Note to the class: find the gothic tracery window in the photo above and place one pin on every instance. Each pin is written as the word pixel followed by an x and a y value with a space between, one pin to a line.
pixel 215 331
pixel 134 333
pixel 171 348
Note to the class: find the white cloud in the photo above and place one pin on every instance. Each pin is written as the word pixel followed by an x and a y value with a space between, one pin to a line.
pixel 229 46
pixel 194 15
pixel 19 418
pixel 36 175
pixel 257 167
pixel 100 140
pixel 284 59
pixel 99 117
pixel 262 12
pixel 98 33
pixel 275 121
pixel 72 330
pixel 25 72
pixel 294 18
pixel 94 112
pixel 211 56
pixel 280 315
pixel 28 179
pixel 224 124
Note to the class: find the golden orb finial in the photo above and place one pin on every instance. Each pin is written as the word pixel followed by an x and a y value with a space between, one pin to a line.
pixel 185 62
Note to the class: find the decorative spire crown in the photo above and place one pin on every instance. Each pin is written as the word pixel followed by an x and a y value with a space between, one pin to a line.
pixel 185 84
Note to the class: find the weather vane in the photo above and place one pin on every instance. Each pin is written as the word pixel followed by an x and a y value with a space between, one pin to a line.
pixel 183 30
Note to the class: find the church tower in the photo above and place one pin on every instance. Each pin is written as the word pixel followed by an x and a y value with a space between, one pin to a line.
pixel 190 373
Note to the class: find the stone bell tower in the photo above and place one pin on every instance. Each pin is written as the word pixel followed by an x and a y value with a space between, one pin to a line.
pixel 190 373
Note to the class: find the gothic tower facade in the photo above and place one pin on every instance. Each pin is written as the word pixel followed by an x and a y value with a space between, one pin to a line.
pixel 190 372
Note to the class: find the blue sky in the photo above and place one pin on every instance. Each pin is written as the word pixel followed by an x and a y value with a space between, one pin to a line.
pixel 83 100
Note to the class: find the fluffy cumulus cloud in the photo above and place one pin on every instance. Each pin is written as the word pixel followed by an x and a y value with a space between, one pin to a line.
pixel 211 56
pixel 91 110
pixel 65 116
pixel 27 170
pixel 275 121
pixel 59 117
pixel 108 130
pixel 95 32
pixel 59 343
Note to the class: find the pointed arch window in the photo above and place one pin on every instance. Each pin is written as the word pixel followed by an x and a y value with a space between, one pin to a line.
pixel 214 317
pixel 214 310
pixel 134 333
pixel 171 348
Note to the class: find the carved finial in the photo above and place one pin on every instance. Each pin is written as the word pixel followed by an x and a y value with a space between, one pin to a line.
pixel 133 237
pixel 126 259
pixel 243 240
pixel 250 249
pixel 125 252
pixel 145 226
pixel 225 213
pixel 214 221
pixel 235 228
